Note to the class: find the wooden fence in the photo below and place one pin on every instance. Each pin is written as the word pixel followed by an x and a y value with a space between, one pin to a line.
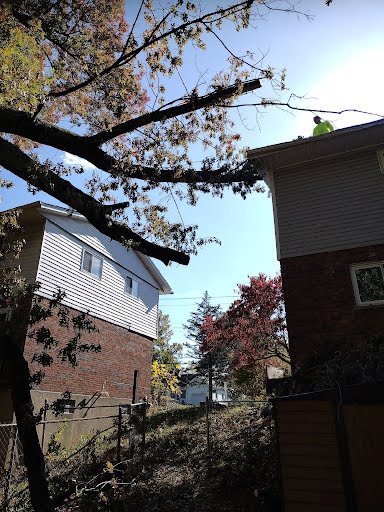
pixel 331 448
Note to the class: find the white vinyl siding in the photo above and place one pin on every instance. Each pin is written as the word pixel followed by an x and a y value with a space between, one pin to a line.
pixel 92 238
pixel 30 254
pixel 330 205
pixel 105 298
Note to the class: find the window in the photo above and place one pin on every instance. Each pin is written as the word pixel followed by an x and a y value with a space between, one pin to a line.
pixel 66 406
pixel 131 286
pixel 368 283
pixel 91 263
pixel 380 156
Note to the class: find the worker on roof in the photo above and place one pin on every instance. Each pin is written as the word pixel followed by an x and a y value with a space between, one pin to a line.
pixel 321 126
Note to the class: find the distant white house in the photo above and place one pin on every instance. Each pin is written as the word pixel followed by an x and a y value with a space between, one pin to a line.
pixel 194 389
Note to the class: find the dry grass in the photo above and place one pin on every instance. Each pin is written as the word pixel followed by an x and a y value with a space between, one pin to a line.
pixel 176 476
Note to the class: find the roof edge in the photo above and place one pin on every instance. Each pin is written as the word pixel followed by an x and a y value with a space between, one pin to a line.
pixel 42 207
pixel 266 151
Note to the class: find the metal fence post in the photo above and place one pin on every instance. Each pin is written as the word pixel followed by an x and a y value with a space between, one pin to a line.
pixel 207 410
pixel 144 425
pixel 134 387
pixel 44 420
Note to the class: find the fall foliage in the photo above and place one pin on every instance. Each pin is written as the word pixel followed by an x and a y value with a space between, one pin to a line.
pixel 165 365
pixel 253 330
pixel 92 78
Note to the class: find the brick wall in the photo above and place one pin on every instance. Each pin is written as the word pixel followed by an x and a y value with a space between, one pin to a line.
pixel 320 303
pixel 17 327
pixel 112 369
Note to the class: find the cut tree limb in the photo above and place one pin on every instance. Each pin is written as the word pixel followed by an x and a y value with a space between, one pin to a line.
pixel 41 177
pixel 20 123
pixel 192 104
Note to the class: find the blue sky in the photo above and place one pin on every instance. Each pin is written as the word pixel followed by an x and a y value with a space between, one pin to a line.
pixel 335 60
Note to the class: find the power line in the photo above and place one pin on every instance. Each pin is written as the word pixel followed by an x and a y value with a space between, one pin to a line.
pixel 194 298
pixel 188 305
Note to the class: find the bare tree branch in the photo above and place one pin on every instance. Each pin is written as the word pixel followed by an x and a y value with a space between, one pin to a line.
pixel 109 208
pixel 226 47
pixel 272 103
pixel 132 28
pixel 128 57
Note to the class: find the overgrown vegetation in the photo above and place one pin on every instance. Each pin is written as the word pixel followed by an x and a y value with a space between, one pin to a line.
pixel 343 366
pixel 176 469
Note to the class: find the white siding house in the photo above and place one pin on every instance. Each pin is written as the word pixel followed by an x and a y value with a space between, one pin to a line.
pixel 98 275
pixel 196 391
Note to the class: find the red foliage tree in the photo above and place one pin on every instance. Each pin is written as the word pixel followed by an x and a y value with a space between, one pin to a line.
pixel 253 329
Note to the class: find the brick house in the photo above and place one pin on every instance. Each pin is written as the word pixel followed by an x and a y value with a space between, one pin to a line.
pixel 328 203
pixel 118 287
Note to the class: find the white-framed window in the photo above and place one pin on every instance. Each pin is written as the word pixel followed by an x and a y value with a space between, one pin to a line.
pixel 368 283
pixel 131 286
pixel 91 263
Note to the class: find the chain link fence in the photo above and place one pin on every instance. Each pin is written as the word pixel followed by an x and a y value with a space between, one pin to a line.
pixel 75 449
pixel 244 446
pixel 112 446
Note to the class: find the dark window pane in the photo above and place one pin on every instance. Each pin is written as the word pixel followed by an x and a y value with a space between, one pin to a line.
pixel 66 406
pixel 371 284
pixel 87 262
pixel 128 285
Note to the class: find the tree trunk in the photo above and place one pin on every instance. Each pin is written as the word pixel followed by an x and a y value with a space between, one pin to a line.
pixel 18 377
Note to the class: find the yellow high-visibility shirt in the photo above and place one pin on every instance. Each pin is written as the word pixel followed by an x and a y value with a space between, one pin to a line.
pixel 323 127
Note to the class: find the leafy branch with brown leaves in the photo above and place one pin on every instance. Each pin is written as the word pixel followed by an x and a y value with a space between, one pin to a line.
pixel 96 79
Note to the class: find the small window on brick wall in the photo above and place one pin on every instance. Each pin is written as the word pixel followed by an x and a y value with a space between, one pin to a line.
pixel 66 406
pixel 368 283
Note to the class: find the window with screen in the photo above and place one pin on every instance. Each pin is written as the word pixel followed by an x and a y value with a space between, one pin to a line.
pixel 368 283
